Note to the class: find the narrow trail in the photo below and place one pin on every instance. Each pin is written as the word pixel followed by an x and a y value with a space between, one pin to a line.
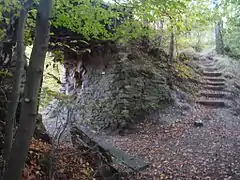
pixel 214 92
pixel 183 151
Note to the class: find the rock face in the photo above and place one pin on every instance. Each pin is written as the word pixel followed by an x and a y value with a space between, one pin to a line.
pixel 121 89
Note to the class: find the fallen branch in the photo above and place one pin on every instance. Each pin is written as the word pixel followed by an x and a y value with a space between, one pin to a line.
pixel 103 158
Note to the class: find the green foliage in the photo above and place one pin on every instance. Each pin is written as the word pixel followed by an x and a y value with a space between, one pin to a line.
pixel 91 20
pixel 58 56
pixel 51 82
pixel 232 28
pixel 30 28
pixel 5 73
pixel 82 18
pixel 51 78
pixel 118 21
pixel 183 70
pixel 47 95
pixel 98 20
pixel 123 21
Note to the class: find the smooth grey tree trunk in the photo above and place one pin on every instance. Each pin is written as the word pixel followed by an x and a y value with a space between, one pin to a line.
pixel 29 105
pixel 171 49
pixel 218 33
pixel 170 59
pixel 15 94
pixel 219 38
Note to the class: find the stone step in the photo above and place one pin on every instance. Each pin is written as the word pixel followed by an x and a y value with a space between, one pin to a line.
pixel 212 74
pixel 211 102
pixel 210 69
pixel 208 60
pixel 214 79
pixel 215 88
pixel 213 94
pixel 209 64
pixel 213 83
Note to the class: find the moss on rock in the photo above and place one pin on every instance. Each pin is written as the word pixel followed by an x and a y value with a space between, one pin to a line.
pixel 124 91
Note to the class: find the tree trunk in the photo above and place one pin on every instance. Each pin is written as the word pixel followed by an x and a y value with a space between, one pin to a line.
pixel 219 38
pixel 171 49
pixel 15 94
pixel 218 33
pixel 170 60
pixel 29 105
pixel 39 95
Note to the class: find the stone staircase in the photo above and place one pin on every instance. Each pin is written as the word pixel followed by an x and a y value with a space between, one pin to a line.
pixel 214 93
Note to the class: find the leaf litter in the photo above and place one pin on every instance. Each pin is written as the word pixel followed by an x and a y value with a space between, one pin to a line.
pixel 182 151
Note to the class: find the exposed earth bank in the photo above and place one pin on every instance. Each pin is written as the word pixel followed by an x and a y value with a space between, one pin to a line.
pixel 205 144
pixel 191 138
pixel 123 89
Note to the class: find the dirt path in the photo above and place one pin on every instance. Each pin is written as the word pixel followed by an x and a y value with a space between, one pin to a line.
pixel 183 151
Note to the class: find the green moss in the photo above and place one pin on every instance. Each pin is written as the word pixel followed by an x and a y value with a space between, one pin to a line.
pixel 138 87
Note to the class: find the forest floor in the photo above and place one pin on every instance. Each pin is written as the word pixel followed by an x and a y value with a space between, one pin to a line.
pixel 203 144
pixel 183 151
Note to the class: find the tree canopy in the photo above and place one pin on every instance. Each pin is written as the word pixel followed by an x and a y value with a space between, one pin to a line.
pixel 116 19
pixel 231 27
pixel 73 31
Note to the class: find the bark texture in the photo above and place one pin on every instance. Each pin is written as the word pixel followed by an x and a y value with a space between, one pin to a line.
pixel 14 98
pixel 218 32
pixel 219 38
pixel 29 105
pixel 171 49
pixel 170 59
